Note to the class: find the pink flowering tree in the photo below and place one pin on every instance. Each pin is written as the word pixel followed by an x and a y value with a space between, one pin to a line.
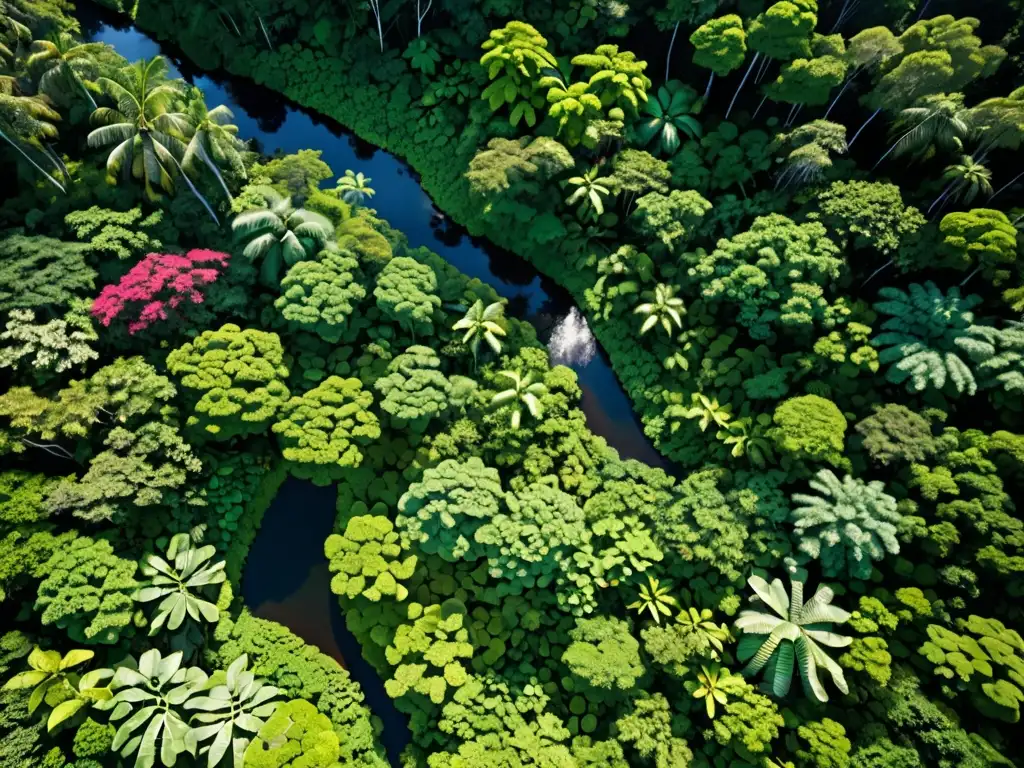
pixel 159 286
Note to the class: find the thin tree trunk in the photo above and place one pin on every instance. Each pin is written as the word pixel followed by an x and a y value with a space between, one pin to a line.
pixel 861 129
pixel 1007 184
pixel 707 91
pixel 421 16
pixel 761 69
pixel 945 192
pixel 375 7
pixel 216 172
pixel 743 82
pixel 756 111
pixel 967 279
pixel 793 114
pixel 876 272
pixel 839 18
pixel 195 191
pixel 672 42
pixel 51 448
pixel 924 8
pixel 841 92
pixel 34 164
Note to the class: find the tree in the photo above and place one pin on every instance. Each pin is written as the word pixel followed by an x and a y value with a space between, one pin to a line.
pixel 214 141
pixel 406 292
pixel 998 355
pixel 590 191
pixel 672 219
pixel 524 391
pixel 322 430
pixel 442 512
pixel 810 149
pixel 236 701
pixel 426 653
pixel 937 122
pixel 53 682
pixel 920 337
pixel 355 188
pixel 675 13
pixel 895 431
pixel 772 642
pixel 981 238
pixel 321 295
pixel 666 116
pixel 141 468
pixel 720 45
pixel 65 64
pixel 573 105
pixel 296 735
pixel 773 276
pixel 514 56
pixel 414 389
pixel 48 348
pixel 280 235
pixel 967 179
pixel 666 309
pixel 235 378
pixel 28 121
pixel 638 172
pixel 517 165
pixel 616 78
pixel 782 32
pixel 605 656
pixel 482 322
pixel 366 560
pixel 159 288
pixel 847 526
pixel 867 50
pixel 152 690
pixel 827 745
pixel 807 81
pixel 148 137
pixel 88 592
pixel 647 727
pixel 712 684
pixel 868 215
pixel 179 583
pixel 42 274
pixel 811 428
pixel 655 599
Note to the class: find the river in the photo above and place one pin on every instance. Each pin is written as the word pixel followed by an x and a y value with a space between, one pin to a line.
pixel 286 577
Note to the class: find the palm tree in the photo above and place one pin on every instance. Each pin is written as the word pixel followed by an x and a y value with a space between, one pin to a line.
pixel 771 642
pixel 214 141
pixel 968 179
pixel 481 322
pixel 709 686
pixel 355 188
pixel 654 598
pixel 148 139
pixel 665 308
pixel 280 234
pixel 12 33
pixel 590 192
pixel 27 121
pixel 524 391
pixel 65 64
pixel 666 116
pixel 702 623
pixel 938 121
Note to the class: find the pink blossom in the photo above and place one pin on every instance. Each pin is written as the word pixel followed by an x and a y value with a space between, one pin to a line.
pixel 158 283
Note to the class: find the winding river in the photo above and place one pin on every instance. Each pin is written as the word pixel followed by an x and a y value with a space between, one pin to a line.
pixel 286 577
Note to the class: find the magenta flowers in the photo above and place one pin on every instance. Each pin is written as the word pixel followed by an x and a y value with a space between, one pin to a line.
pixel 158 285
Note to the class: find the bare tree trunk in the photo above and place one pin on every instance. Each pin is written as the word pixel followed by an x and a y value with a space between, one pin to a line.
pixel 195 191
pixel 34 164
pixel 967 279
pixel 375 7
pixel 421 16
pixel 859 130
pixel 759 107
pixel 707 91
pixel 672 42
pixel 876 272
pixel 743 82
pixel 841 92
pixel 1007 184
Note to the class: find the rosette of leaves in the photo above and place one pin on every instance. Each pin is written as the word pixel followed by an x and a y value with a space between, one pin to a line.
pixel 667 116
pixel 152 691
pixel 180 581
pixel 236 703
pixel 53 682
pixel 771 643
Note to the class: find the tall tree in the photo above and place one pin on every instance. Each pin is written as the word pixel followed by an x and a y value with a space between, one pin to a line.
pixel 65 65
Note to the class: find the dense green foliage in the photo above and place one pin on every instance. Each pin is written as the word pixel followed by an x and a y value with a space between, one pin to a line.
pixel 800 257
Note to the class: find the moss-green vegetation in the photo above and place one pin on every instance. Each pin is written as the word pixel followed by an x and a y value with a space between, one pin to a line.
pixel 811 301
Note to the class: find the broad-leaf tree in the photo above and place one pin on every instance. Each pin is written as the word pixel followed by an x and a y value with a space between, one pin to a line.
pixel 797 630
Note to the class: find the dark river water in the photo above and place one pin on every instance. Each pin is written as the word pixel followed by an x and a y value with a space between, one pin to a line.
pixel 286 577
